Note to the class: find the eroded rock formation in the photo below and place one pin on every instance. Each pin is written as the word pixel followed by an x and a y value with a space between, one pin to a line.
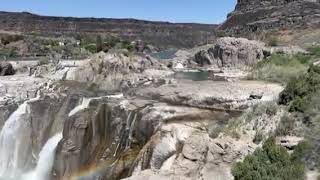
pixel 231 52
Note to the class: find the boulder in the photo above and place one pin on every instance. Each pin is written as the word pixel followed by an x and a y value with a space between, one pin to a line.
pixel 6 69
pixel 231 52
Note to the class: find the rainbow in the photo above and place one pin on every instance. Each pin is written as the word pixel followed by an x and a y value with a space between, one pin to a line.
pixel 91 172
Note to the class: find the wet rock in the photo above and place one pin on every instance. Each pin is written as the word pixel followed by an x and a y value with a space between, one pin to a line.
pixel 98 132
pixel 7 107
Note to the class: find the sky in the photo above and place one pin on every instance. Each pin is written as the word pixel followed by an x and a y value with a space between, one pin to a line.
pixel 196 11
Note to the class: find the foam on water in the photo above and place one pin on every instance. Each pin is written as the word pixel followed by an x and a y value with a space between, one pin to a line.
pixel 16 148
pixel 46 159
pixel 14 143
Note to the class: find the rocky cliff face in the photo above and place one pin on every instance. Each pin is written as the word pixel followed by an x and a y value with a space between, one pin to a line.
pixel 156 33
pixel 255 15
pixel 155 127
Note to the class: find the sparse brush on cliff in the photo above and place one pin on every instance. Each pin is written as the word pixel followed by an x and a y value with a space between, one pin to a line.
pixel 8 38
pixel 8 52
pixel 280 68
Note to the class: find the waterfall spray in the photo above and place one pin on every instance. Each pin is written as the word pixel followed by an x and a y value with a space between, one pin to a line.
pixel 46 159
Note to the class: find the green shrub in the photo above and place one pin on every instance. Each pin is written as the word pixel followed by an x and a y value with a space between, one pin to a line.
pixel 298 105
pixel 269 163
pixel 300 90
pixel 7 39
pixel 91 48
pixel 285 126
pixel 280 68
pixel 314 50
pixel 8 52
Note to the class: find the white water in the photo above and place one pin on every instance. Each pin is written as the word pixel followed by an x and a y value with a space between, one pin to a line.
pixel 15 142
pixel 86 102
pixel 16 148
pixel 46 159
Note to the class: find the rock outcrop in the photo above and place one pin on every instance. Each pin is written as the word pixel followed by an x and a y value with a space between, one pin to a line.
pixel 255 15
pixel 231 52
pixel 111 71
pixel 6 69
pixel 154 127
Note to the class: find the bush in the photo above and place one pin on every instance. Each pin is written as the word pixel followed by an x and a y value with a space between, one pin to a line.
pixel 8 52
pixel 91 48
pixel 270 162
pixel 300 90
pixel 7 39
pixel 280 68
pixel 298 105
pixel 285 126
pixel 314 50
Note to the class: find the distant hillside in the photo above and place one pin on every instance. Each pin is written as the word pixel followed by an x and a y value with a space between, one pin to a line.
pixel 160 34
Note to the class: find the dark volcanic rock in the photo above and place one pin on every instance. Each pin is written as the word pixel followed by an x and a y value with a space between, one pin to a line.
pixel 255 15
pixel 159 34
pixel 6 69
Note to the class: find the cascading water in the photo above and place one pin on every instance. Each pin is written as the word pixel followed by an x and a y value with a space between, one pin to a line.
pixel 46 159
pixel 16 148
pixel 15 141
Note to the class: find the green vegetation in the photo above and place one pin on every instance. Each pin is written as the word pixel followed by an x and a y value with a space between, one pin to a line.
pixel 300 90
pixel 280 68
pixel 7 38
pixel 91 48
pixel 285 126
pixel 8 52
pixel 271 162
pixel 314 51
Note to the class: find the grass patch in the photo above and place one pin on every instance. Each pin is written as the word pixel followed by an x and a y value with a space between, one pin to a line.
pixel 280 68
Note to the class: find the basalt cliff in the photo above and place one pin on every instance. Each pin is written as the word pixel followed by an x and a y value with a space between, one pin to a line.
pixel 255 15
pixel 155 33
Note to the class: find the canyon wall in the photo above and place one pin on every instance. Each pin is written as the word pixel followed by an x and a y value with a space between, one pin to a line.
pixel 156 33
pixel 256 15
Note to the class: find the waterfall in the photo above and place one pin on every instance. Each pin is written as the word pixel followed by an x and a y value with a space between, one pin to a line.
pixel 15 143
pixel 16 148
pixel 46 159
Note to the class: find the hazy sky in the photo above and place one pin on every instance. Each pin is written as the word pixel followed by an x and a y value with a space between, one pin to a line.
pixel 200 11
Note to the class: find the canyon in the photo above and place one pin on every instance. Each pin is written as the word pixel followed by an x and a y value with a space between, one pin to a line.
pixel 133 116
pixel 155 33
